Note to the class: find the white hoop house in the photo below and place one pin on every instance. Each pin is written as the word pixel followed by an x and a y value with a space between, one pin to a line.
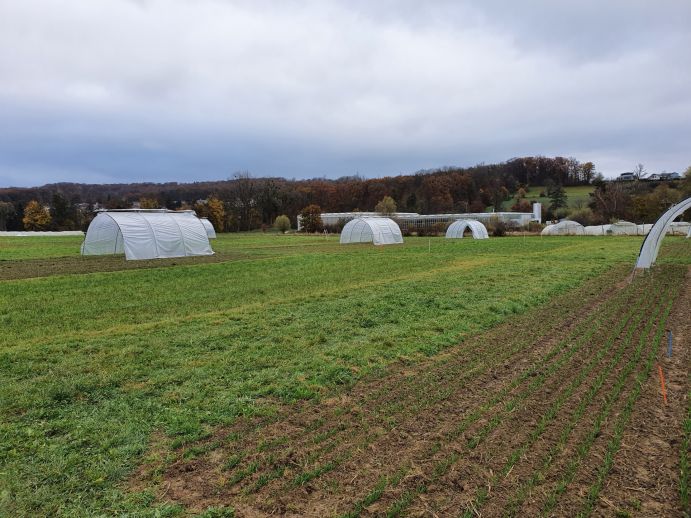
pixel 380 231
pixel 146 234
pixel 456 229
pixel 210 231
pixel 564 228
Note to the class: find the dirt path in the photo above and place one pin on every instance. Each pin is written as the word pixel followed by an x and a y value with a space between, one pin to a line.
pixel 489 427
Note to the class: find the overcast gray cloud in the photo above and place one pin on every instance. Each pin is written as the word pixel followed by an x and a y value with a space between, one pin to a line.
pixel 156 90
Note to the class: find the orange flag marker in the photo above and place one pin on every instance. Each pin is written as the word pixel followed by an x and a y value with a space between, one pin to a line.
pixel 662 383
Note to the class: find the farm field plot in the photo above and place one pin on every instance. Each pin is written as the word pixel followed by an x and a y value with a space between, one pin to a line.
pixel 293 376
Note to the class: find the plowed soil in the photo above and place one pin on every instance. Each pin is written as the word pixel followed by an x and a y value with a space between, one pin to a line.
pixel 518 421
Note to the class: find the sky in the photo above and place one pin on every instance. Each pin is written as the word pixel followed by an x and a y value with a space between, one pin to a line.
pixel 100 91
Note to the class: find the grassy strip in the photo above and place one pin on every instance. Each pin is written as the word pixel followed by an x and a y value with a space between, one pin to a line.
pixel 442 466
pixel 615 442
pixel 514 504
pixel 548 417
pixel 584 447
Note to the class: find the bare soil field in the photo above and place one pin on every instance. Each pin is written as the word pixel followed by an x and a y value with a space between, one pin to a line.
pixel 557 412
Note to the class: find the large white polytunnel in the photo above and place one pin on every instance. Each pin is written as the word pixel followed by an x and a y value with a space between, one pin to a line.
pixel 380 231
pixel 146 234
pixel 456 229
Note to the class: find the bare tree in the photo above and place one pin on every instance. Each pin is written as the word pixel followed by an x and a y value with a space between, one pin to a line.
pixel 639 172
pixel 243 199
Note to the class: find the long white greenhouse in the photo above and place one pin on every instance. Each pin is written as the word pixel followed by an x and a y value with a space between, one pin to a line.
pixel 380 231
pixel 147 234
pixel 457 228
pixel 564 228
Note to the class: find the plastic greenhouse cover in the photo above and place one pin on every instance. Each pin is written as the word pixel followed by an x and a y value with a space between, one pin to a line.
pixel 380 231
pixel 147 235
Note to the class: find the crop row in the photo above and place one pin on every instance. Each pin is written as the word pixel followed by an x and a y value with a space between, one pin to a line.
pixel 511 406
pixel 615 442
pixel 441 467
pixel 479 365
pixel 584 446
pixel 552 412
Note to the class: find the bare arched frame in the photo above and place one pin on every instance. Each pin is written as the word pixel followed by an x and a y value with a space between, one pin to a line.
pixel 651 245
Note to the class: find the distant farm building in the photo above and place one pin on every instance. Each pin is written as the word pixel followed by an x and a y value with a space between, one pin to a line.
pixel 412 221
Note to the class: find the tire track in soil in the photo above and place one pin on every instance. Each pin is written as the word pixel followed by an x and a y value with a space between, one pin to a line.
pixel 466 484
pixel 644 480
pixel 194 483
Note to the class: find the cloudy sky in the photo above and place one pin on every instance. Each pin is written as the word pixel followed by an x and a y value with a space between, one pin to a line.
pixel 184 90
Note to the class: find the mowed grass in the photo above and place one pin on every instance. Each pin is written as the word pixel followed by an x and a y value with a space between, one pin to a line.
pixel 92 365
pixel 577 196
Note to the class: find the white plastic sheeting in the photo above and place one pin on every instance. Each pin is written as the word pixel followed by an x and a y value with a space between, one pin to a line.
pixel 564 228
pixel 644 228
pixel 623 228
pixel 596 230
pixel 456 229
pixel 678 228
pixel 380 231
pixel 651 245
pixel 146 235
pixel 210 231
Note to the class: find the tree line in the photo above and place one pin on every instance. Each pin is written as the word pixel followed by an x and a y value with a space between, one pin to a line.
pixel 245 203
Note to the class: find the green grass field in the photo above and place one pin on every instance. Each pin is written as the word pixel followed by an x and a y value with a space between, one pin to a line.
pixel 577 195
pixel 93 364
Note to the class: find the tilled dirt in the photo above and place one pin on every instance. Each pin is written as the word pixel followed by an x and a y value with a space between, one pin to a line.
pixel 30 268
pixel 460 433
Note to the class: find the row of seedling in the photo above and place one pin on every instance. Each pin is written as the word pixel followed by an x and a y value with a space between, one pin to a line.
pixel 584 446
pixel 549 416
pixel 481 366
pixel 591 327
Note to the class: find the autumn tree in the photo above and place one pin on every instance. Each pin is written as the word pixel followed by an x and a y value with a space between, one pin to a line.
pixel 149 203
pixel 36 216
pixel 282 223
pixel 386 206
pixel 649 207
pixel 611 200
pixel 216 212
pixel 686 182
pixel 311 218
pixel 6 212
